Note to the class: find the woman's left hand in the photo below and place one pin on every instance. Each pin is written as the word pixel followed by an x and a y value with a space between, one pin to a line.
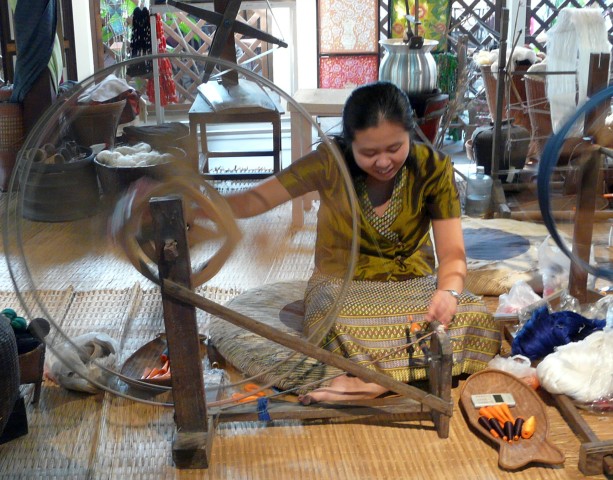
pixel 443 307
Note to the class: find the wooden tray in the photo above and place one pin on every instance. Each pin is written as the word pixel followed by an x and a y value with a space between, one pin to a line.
pixel 517 454
pixel 148 356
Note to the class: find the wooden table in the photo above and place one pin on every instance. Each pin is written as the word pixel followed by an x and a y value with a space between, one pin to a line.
pixel 318 102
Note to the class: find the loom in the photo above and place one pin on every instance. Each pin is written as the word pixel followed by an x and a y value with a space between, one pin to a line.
pixel 165 258
pixel 577 66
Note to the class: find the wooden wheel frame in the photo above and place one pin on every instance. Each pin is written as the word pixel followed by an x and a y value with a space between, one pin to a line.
pixel 141 251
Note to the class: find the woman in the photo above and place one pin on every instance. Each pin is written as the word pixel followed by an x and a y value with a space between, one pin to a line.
pixel 403 189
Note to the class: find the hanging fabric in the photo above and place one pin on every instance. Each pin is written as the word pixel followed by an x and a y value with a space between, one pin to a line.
pixel 168 90
pixel 140 43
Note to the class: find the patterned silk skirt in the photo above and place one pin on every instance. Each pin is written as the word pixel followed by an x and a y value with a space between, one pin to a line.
pixel 375 321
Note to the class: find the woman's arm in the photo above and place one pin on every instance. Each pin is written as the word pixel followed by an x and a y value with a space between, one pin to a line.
pixel 451 256
pixel 306 172
pixel 259 199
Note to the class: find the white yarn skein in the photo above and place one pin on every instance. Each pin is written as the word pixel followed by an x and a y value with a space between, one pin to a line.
pixel 576 34
pixel 582 370
pixel 139 155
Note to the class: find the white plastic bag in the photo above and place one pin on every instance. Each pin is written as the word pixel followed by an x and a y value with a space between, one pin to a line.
pixel 520 296
pixel 554 267
pixel 518 366
pixel 82 361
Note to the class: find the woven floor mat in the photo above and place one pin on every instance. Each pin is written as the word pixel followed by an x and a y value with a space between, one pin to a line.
pixel 111 437
pixel 74 435
pixel 79 254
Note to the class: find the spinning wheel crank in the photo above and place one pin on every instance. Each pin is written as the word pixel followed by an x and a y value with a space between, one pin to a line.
pixel 191 448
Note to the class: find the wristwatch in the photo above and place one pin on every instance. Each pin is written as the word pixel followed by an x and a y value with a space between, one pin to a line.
pixel 455 294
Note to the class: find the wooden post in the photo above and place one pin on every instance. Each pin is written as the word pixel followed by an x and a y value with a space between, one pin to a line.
pixel 598 80
pixel 439 374
pixel 498 199
pixel 192 444
pixel 95 23
pixel 497 143
pixel 589 173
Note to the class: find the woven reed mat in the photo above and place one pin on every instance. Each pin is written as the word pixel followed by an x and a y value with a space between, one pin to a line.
pixel 79 254
pixel 104 436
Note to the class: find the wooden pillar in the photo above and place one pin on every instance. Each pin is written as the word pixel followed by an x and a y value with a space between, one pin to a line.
pixel 7 44
pixel 66 27
pixel 439 374
pixel 95 21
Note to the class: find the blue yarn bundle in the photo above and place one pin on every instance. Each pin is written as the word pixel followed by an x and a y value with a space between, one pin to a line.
pixel 544 331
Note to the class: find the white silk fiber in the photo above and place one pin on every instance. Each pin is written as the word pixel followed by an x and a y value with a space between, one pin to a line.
pixel 581 370
pixel 576 34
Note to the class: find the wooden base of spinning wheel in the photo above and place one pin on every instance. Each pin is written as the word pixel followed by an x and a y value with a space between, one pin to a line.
pixel 195 422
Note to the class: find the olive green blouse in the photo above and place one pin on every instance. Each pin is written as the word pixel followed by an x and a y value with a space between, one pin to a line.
pixel 404 250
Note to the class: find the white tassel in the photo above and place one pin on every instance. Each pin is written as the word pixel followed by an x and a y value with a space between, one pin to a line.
pixel 582 370
pixel 576 34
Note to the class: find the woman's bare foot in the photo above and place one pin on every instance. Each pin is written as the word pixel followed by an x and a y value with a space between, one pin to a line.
pixel 344 388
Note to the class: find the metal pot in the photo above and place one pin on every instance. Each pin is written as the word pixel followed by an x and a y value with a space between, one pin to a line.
pixel 412 69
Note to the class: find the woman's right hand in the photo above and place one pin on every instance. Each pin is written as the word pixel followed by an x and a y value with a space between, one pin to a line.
pixel 443 307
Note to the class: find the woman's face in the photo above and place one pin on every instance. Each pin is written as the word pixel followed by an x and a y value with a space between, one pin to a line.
pixel 382 150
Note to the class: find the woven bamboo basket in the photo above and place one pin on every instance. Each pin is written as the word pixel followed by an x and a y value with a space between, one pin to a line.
pixel 538 110
pixel 12 135
pixel 518 103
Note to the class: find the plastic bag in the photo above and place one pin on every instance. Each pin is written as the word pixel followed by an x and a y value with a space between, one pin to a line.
pixel 554 267
pixel 519 297
pixel 82 359
pixel 518 366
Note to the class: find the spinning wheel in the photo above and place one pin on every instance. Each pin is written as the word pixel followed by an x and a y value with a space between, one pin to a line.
pixel 192 225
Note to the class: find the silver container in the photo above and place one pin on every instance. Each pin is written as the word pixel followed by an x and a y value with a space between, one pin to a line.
pixel 413 70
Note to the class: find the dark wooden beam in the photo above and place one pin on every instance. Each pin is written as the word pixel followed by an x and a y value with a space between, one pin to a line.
pixel 68 44
pixel 191 448
pixel 6 42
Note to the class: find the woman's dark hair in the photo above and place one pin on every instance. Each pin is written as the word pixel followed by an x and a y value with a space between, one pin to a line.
pixel 369 105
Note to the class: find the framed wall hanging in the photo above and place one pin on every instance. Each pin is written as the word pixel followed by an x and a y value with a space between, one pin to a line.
pixel 347 42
